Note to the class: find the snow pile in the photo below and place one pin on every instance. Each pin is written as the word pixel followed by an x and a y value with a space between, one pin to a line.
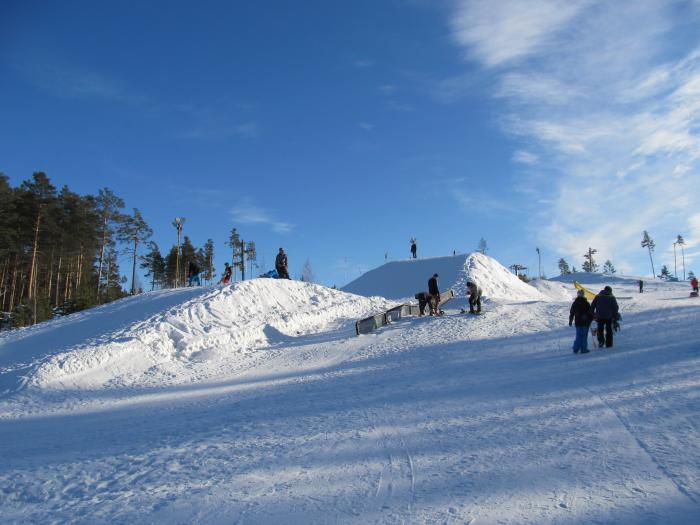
pixel 495 281
pixel 401 280
pixel 554 290
pixel 225 327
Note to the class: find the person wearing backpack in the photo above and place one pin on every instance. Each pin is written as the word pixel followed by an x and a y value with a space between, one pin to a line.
pixel 582 316
pixel 606 312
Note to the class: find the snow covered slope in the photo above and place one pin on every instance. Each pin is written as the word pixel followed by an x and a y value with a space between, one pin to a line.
pixel 455 419
pixel 164 332
pixel 403 279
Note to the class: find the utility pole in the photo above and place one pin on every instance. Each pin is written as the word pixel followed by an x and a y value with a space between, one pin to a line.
pixel 178 222
pixel 675 268
pixel 539 263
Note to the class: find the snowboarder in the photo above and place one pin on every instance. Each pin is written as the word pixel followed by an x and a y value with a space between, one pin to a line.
pixel 423 299
pixel 281 265
pixel 226 277
pixel 474 293
pixel 193 274
pixel 694 284
pixel 434 295
pixel 582 316
pixel 641 286
pixel 606 311
pixel 414 247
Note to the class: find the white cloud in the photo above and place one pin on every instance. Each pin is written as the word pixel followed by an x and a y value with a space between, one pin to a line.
pixel 611 104
pixel 525 157
pixel 365 125
pixel 247 213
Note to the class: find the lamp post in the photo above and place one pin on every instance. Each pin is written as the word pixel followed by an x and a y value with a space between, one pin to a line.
pixel 178 222
pixel 539 263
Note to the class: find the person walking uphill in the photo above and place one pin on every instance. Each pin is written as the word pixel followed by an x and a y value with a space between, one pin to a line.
pixel 605 310
pixel 281 265
pixel 434 293
pixel 582 316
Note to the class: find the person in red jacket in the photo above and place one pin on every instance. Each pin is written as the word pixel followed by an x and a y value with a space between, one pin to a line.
pixel 694 284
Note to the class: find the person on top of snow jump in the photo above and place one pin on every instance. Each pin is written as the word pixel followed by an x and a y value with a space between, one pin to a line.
pixel 193 274
pixel 641 286
pixel 281 265
pixel 226 278
pixel 606 312
pixel 582 315
pixel 414 247
pixel 434 295
pixel 474 293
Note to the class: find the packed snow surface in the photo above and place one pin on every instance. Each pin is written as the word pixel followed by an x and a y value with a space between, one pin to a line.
pixel 403 279
pixel 256 403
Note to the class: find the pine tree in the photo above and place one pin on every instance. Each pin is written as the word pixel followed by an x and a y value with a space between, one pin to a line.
pixel 208 266
pixel 648 243
pixel 108 207
pixel 134 231
pixel 154 264
pixel 589 264
pixel 307 274
pixel 665 273
pixel 608 268
pixel 691 275
pixel 564 267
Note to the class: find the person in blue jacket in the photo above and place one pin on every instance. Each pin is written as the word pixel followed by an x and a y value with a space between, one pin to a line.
pixel 582 316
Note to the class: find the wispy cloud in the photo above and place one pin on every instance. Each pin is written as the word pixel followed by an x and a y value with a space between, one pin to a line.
pixel 365 126
pixel 611 105
pixel 248 213
pixel 363 62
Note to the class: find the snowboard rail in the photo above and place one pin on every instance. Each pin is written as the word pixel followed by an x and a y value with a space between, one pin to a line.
pixel 374 322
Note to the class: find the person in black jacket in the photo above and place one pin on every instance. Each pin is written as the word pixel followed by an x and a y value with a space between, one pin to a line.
pixel 281 264
pixel 582 316
pixel 474 293
pixel 423 299
pixel 606 311
pixel 434 293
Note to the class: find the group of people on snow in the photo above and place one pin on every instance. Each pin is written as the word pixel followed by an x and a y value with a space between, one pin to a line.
pixel 604 310
pixel 281 269
pixel 432 297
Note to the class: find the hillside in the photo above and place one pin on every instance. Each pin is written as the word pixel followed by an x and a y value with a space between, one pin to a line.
pixel 256 403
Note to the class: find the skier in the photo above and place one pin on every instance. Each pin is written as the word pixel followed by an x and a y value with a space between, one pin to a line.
pixel 193 274
pixel 434 295
pixel 227 274
pixel 414 247
pixel 641 286
pixel 606 311
pixel 581 314
pixel 694 284
pixel 281 264
pixel 474 293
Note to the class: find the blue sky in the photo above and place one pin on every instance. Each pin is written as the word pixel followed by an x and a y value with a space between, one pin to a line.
pixel 339 130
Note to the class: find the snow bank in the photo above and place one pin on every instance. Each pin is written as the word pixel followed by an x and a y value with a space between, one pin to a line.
pixel 554 290
pixel 402 279
pixel 495 281
pixel 224 327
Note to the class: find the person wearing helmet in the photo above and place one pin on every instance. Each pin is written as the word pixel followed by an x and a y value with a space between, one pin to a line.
pixel 434 293
pixel 226 278
pixel 281 265
pixel 606 312
pixel 474 293
pixel 582 316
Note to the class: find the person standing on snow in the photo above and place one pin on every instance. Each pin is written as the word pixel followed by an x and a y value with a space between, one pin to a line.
pixel 582 316
pixel 227 274
pixel 281 265
pixel 474 293
pixel 434 293
pixel 694 284
pixel 606 312
pixel 414 248
pixel 641 286
pixel 193 274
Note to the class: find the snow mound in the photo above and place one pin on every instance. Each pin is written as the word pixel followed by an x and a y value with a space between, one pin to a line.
pixel 401 280
pixel 224 327
pixel 495 280
pixel 554 290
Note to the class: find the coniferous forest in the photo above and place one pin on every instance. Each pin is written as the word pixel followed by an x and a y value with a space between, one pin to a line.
pixel 60 251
